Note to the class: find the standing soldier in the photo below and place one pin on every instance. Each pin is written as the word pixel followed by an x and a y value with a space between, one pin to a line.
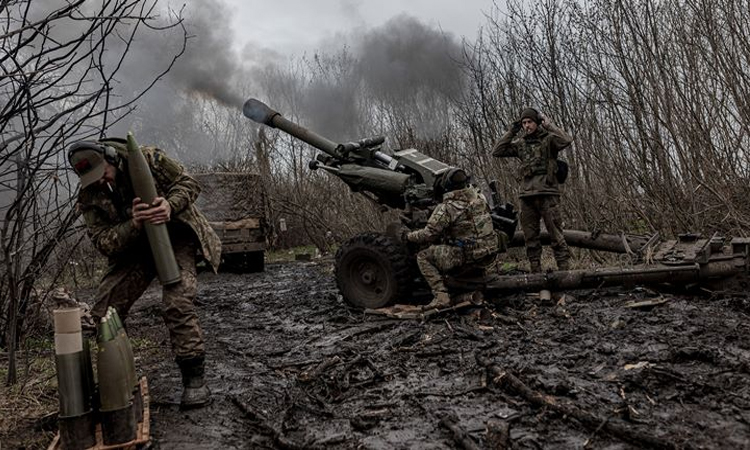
pixel 461 229
pixel 540 189
pixel 115 220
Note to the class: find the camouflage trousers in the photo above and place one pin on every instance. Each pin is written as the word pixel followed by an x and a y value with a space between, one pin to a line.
pixel 436 260
pixel 533 210
pixel 131 275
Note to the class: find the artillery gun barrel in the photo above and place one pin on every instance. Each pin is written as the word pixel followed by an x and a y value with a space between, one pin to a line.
pixel 259 112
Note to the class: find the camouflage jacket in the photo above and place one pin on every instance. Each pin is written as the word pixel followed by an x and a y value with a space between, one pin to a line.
pixel 538 154
pixel 108 215
pixel 462 219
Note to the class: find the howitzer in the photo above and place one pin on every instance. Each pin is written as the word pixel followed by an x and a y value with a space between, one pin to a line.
pixel 373 269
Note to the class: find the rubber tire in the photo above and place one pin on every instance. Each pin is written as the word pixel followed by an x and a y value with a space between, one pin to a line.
pixel 373 271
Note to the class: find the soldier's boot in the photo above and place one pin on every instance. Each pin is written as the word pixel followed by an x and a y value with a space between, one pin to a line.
pixel 441 300
pixel 536 266
pixel 475 297
pixel 563 265
pixel 195 392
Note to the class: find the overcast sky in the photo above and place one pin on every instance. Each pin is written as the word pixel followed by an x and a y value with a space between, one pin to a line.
pixel 292 27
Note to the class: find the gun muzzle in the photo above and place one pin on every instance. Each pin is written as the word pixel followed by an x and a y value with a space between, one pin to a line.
pixel 258 111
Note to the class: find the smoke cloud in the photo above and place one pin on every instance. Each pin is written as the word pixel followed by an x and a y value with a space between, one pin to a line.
pixel 403 64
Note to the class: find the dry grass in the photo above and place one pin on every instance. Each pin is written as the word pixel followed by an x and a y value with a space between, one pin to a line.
pixel 28 409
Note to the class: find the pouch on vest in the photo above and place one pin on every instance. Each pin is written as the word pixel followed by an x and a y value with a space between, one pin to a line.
pixel 562 171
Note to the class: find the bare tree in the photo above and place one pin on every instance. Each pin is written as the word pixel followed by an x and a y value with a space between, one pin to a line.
pixel 655 93
pixel 58 67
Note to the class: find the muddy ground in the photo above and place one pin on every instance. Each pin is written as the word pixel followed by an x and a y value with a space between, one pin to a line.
pixel 291 366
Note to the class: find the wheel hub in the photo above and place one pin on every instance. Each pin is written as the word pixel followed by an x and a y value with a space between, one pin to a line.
pixel 368 277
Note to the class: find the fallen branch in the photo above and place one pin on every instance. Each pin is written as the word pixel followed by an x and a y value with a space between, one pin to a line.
pixel 460 436
pixel 311 375
pixel 509 382
pixel 278 438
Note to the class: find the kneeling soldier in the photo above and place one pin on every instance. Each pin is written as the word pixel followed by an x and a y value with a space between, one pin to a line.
pixel 461 231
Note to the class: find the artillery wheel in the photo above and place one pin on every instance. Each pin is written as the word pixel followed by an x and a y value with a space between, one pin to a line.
pixel 373 271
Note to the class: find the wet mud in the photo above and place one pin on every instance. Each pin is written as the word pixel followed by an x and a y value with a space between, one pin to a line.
pixel 291 366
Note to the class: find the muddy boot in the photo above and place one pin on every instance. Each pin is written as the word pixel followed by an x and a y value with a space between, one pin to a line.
pixel 535 266
pixel 195 392
pixel 441 300
pixel 475 298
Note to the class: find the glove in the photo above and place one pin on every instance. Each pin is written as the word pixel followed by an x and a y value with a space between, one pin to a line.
pixel 515 127
pixel 397 232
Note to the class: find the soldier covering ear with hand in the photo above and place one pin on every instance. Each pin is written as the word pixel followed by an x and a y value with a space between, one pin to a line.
pixel 537 149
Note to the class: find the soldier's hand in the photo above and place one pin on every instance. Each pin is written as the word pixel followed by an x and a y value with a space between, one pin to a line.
pixel 139 212
pixel 516 126
pixel 158 212
pixel 162 211
pixel 544 119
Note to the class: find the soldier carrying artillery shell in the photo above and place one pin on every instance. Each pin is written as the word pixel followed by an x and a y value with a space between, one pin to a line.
pixel 118 223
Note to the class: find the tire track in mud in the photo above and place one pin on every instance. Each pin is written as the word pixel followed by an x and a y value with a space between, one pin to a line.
pixel 292 367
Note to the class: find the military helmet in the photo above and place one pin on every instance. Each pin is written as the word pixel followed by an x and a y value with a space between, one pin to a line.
pixel 455 179
pixel 87 159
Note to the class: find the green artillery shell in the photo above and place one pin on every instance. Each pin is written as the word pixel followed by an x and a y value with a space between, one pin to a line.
pixel 158 237
pixel 124 342
pixel 115 390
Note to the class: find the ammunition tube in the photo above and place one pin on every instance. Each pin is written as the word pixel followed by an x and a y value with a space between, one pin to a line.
pixel 158 237
pixel 76 422
pixel 69 359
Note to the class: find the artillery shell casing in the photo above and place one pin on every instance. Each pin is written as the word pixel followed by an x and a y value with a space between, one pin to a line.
pixel 118 425
pixel 75 419
pixel 73 401
pixel 158 236
pixel 78 432
pixel 69 362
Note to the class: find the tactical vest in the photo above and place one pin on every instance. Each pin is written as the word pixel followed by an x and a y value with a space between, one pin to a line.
pixel 534 156
pixel 473 228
